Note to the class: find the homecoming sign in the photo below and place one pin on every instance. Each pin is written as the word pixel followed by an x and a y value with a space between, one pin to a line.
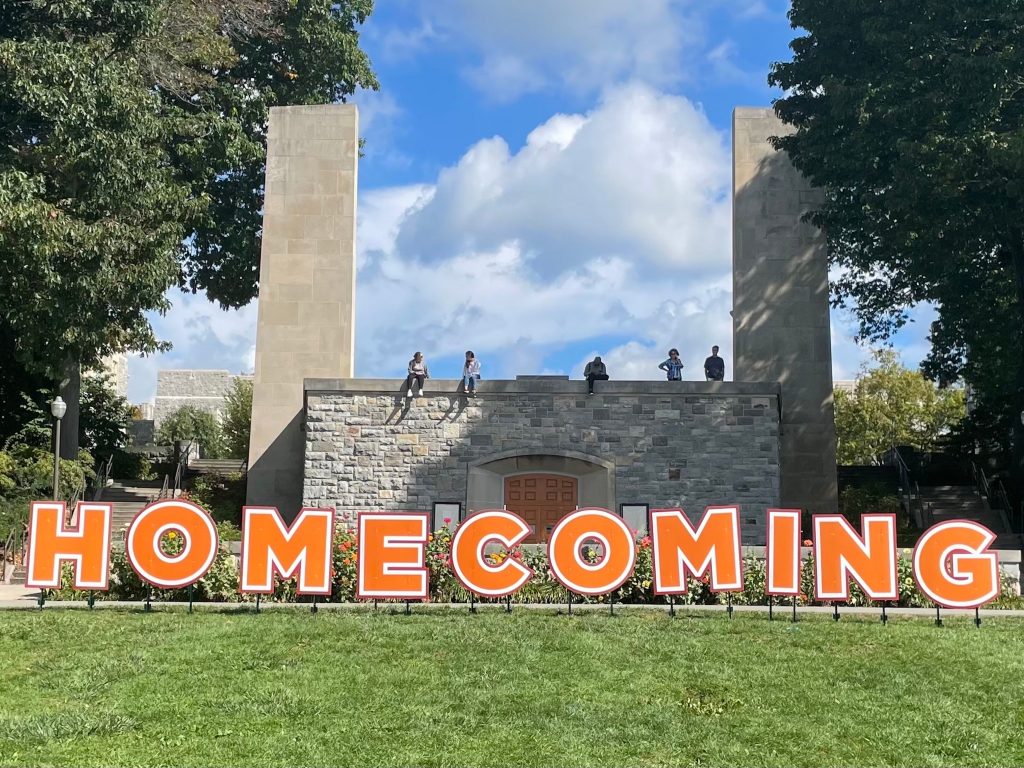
pixel 952 562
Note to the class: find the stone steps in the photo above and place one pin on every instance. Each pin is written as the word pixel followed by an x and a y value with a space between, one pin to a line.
pixel 216 466
pixel 962 502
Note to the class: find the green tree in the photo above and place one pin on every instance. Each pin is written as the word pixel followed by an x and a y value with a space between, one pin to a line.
pixel 132 148
pixel 104 418
pixel 191 423
pixel 891 406
pixel 909 114
pixel 237 419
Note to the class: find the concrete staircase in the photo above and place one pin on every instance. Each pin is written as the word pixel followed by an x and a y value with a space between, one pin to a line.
pixel 128 499
pixel 962 502
pixel 216 466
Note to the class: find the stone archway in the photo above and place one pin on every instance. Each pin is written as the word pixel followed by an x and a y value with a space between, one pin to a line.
pixel 595 478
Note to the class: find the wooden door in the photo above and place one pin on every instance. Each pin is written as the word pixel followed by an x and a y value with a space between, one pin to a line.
pixel 541 500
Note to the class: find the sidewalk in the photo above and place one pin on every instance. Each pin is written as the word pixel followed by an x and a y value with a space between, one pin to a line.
pixel 16 593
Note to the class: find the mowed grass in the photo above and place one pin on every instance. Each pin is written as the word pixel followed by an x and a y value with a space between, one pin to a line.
pixel 530 688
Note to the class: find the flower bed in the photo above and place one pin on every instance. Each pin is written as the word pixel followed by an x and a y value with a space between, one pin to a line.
pixel 220 584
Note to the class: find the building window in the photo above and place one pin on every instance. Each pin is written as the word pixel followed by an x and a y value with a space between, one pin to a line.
pixel 446 510
pixel 635 516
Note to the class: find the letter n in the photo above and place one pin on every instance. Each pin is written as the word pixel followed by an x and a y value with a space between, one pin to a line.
pixel 86 545
pixel 841 554
pixel 269 548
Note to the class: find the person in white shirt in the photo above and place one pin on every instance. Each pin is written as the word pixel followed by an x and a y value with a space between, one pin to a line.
pixel 418 373
pixel 470 374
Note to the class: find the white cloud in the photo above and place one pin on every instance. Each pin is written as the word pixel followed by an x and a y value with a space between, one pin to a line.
pixel 644 178
pixel 606 225
pixel 203 336
pixel 583 45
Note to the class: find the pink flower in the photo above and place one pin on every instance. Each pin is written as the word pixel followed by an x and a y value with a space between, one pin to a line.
pixel 447 521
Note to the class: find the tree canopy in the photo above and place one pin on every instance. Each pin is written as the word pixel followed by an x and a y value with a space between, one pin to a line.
pixel 909 114
pixel 132 155
pixel 892 406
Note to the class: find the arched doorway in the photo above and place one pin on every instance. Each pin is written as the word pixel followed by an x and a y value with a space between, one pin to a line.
pixel 541 500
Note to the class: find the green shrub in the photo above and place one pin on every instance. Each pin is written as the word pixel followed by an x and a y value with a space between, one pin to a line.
pixel 27 470
pixel 223 496
pixel 857 500
pixel 221 582
pixel 191 423
pixel 132 466
pixel 238 418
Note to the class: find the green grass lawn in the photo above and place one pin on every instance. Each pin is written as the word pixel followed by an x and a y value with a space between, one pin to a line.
pixel 445 688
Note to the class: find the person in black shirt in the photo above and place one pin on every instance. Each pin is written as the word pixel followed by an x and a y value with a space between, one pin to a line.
pixel 595 371
pixel 714 366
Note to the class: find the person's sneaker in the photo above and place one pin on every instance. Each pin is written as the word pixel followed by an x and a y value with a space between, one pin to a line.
pixel 408 393
pixel 420 393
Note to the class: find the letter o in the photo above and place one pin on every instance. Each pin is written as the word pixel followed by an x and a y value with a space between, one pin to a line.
pixel 579 576
pixel 142 544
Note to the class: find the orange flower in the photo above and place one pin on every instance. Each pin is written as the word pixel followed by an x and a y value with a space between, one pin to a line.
pixel 808 543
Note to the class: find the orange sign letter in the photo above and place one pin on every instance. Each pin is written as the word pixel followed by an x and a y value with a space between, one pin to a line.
pixel 392 555
pixel 678 551
pixel 86 545
pixel 783 552
pixel 270 547
pixel 840 554
pixel 182 518
pixel 953 567
pixel 573 570
pixel 468 563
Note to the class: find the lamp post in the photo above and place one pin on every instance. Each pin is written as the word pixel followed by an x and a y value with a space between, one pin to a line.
pixel 58 408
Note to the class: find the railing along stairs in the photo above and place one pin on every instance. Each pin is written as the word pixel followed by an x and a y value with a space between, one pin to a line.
pixel 994 492
pixel 910 490
pixel 172 484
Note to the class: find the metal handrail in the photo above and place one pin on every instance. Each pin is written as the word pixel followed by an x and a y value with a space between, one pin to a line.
pixel 164 487
pixel 995 491
pixel 906 485
pixel 102 476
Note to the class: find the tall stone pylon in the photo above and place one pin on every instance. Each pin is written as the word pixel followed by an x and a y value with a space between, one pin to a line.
pixel 781 327
pixel 306 322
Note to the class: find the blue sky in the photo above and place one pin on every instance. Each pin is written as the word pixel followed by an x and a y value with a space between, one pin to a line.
pixel 543 181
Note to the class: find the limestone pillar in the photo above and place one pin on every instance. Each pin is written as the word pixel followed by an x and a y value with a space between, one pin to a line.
pixel 306 324
pixel 781 328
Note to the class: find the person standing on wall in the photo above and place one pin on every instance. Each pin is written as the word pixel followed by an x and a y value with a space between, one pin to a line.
pixel 673 367
pixel 595 371
pixel 714 366
pixel 470 374
pixel 418 373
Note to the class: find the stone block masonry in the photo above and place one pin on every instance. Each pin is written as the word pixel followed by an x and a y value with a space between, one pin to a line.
pixel 306 323
pixel 205 390
pixel 780 305
pixel 664 444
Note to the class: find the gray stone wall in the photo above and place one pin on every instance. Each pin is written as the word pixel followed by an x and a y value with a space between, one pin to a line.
pixel 689 444
pixel 202 389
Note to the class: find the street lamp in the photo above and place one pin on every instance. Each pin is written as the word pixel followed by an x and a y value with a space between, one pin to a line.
pixel 58 408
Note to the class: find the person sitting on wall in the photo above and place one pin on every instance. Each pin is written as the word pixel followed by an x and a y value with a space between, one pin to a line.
pixel 470 373
pixel 418 373
pixel 714 366
pixel 595 371
pixel 673 366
